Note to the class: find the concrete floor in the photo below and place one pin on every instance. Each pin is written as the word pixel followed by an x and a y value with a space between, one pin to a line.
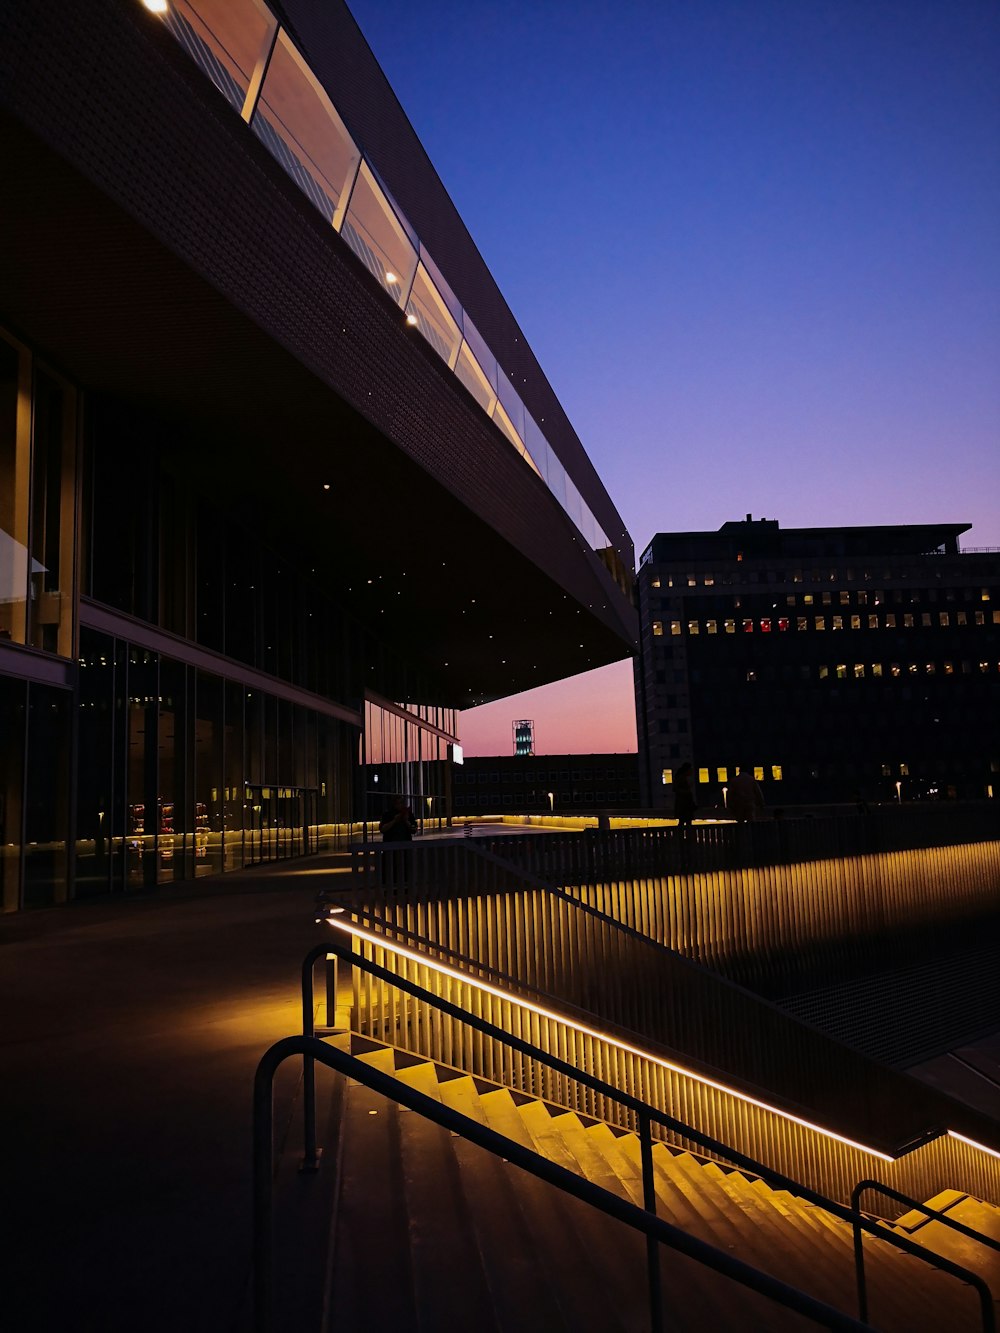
pixel 129 1036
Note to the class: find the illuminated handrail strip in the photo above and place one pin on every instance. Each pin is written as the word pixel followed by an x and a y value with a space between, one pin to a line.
pixel 422 960
pixel 559 484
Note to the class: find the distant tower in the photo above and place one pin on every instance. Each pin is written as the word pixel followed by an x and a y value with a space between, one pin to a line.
pixel 524 738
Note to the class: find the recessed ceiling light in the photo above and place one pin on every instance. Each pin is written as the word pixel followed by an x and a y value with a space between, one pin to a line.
pixel 156 6
pixel 391 277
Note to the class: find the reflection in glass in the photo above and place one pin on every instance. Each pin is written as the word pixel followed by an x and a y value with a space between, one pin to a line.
pixel 208 775
pixel 469 372
pixel 377 237
pixel 53 455
pixel 507 426
pixel 15 448
pixel 46 797
pixel 13 701
pixel 226 39
pixel 298 124
pixel 428 312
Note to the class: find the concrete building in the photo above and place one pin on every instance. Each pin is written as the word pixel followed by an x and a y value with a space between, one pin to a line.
pixel 282 485
pixel 840 663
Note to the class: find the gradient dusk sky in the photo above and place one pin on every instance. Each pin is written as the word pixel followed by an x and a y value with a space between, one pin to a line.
pixel 754 244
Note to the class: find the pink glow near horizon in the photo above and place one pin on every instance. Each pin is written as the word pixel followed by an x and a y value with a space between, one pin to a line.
pixel 588 714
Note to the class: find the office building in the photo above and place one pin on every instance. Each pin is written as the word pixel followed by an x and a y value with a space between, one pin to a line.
pixel 282 485
pixel 578 784
pixel 842 664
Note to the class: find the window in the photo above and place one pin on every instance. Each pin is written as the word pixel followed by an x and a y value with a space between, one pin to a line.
pixel 944 619
pixel 748 627
pixel 841 671
pixel 667 777
pixel 299 126
pixel 807 599
pixel 862 599
pixel 427 311
pixel 961 618
pixel 722 774
pixel 890 620
pixel 711 626
pixel 655 583
pixel 693 626
pixel 378 238
pixel 802 622
pixel 873 622
pixel 845 599
pixel 980 618
pixel 776 772
pixel 824 671
pixel 821 622
pixel 790 599
pixel 675 627
pixel 469 371
pixel 226 41
pixel 730 626
pixel 876 668
pixel 765 626
pixel 783 623
pixel 859 670
pixel 895 669
pixel 838 622
pixel 702 775
pixel 657 629
pixel 855 622
pixel 925 619
pixel 949 668
pixel 758 772
pixel 907 620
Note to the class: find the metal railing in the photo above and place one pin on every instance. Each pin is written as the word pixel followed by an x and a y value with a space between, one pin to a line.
pixel 495 921
pixel 877 1187
pixel 644 1221
pixel 640 1116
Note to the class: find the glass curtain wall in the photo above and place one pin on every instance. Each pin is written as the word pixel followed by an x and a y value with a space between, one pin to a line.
pixel 403 757
pixel 182 773
pixel 37 503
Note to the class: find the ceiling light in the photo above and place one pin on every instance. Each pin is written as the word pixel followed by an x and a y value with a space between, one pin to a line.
pixel 391 278
pixel 411 320
pixel 156 6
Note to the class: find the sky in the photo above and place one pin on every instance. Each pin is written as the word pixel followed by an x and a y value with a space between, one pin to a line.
pixel 754 245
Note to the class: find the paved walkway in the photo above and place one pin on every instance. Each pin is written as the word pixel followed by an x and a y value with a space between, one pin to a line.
pixel 129 1035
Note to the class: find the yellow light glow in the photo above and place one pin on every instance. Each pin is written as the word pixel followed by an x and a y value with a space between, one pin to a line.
pixel 981 1147
pixel 382 942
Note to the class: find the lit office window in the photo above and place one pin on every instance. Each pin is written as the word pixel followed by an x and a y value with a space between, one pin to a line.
pixel 931 669
pixel 895 669
pixel 980 618
pixel 807 599
pixel 914 669
pixel 752 677
pixel 711 626
pixel 845 599
pixel 790 599
pixel 859 670
pixel 748 627
pixel 730 626
pixel 996 617
pixel 984 594
pixel 667 776
pixel 949 668
pixel 873 622
pixel 675 627
pixel 765 626
pixel 907 620
pixel 758 772
pixel 855 622
pixel 944 619
pixel 824 671
pixel 862 599
pixel 801 623
pixel 227 39
pixel 722 774
pixel 655 583
pixel 783 623
pixel 890 620
pixel 378 238
pixel 657 628
pixel 692 581
pixel 838 622
pixel 708 581
pixel 961 618
pixel 299 126
pixel 925 619
pixel 821 622
pixel 776 772
pixel 427 310
pixel 693 627
pixel 841 670
pixel 703 775
pixel 876 668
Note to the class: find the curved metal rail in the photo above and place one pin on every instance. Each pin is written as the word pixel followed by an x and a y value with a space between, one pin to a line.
pixel 655 1229
pixel 645 1115
pixel 877 1187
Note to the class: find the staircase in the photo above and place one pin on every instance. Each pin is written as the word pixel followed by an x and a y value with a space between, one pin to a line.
pixel 434 1235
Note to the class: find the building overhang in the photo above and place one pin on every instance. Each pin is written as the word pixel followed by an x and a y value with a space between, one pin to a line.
pixel 284 371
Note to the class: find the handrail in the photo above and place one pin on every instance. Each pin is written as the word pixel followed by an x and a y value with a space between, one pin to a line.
pixel 645 1114
pixel 876 1186
pixel 663 1233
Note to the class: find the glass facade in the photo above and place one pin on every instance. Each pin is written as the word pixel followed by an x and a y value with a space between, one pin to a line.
pixel 147 766
pixel 37 503
pixel 258 69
